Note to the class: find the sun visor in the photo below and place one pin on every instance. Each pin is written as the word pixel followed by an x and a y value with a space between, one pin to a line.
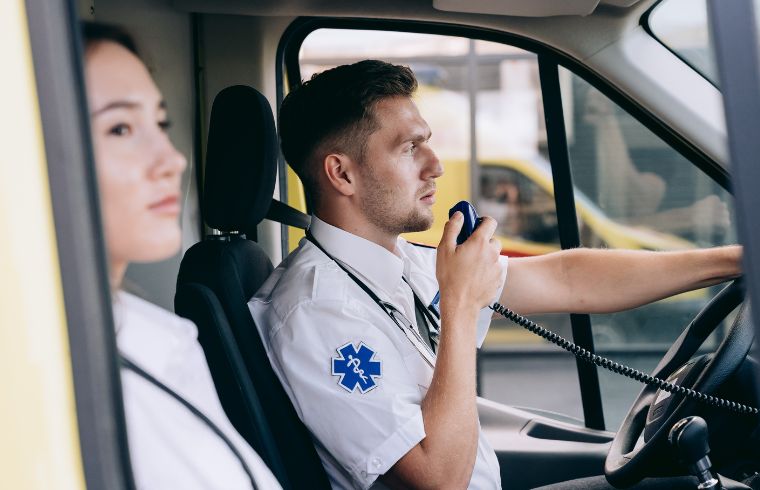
pixel 520 8
pixel 619 3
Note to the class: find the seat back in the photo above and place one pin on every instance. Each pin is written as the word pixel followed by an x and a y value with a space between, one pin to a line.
pixel 219 275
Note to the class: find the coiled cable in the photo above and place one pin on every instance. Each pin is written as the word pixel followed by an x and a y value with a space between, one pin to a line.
pixel 618 368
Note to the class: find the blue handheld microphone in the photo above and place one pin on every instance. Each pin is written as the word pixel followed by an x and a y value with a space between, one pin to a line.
pixel 471 221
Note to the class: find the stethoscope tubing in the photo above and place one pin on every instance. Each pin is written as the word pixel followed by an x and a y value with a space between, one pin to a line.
pixel 416 339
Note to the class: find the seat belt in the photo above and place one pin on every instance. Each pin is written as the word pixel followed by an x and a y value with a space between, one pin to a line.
pixel 282 213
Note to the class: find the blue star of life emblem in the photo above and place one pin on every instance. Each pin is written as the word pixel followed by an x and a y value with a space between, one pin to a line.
pixel 356 367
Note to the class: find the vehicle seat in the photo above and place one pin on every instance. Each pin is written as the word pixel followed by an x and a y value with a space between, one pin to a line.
pixel 218 275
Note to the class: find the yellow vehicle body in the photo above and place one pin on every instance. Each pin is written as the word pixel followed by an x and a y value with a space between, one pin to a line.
pixel 40 444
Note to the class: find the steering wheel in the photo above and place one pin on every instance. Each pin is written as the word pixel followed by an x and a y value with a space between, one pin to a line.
pixel 631 457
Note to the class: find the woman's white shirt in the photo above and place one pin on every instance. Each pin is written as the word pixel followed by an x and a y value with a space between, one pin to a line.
pixel 169 446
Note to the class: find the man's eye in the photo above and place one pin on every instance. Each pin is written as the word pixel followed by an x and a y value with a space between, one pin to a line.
pixel 120 130
pixel 412 148
pixel 165 124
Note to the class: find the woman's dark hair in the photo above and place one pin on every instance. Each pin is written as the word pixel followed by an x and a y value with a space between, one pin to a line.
pixel 334 112
pixel 97 32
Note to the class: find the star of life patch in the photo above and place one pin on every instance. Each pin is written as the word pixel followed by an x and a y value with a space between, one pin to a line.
pixel 356 367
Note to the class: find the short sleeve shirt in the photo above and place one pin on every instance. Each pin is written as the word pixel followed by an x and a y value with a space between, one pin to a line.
pixel 355 378
pixel 169 446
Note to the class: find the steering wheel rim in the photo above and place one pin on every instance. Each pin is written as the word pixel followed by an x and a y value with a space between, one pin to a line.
pixel 627 460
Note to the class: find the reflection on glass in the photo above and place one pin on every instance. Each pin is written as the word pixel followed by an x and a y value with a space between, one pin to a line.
pixel 681 25
pixel 638 181
pixel 649 197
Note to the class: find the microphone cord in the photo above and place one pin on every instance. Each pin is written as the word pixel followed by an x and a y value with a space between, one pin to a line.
pixel 618 368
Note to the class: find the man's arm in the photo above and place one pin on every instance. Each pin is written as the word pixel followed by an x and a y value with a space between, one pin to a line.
pixel 469 276
pixel 602 281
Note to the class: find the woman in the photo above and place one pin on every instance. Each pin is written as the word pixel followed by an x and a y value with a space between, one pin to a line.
pixel 179 437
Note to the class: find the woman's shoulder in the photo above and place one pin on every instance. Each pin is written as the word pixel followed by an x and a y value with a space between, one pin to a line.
pixel 135 308
pixel 147 331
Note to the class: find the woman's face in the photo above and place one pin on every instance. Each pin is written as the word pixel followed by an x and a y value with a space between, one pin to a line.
pixel 139 170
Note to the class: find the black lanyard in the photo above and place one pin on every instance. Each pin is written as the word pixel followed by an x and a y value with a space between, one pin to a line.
pixel 131 366
pixel 387 307
pixel 425 318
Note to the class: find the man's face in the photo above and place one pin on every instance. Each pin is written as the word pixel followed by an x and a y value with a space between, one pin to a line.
pixel 397 176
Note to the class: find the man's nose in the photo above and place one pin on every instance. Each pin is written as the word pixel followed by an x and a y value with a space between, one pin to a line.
pixel 434 165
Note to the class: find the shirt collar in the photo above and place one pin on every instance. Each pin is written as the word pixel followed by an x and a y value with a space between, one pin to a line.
pixel 375 263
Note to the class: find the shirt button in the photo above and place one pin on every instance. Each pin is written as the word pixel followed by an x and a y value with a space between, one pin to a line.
pixel 364 474
pixel 377 462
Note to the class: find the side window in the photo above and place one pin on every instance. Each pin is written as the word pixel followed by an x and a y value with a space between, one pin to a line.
pixel 483 103
pixel 633 191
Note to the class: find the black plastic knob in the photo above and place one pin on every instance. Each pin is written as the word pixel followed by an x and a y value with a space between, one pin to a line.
pixel 689 437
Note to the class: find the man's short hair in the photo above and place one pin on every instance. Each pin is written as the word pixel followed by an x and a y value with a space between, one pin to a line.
pixel 333 112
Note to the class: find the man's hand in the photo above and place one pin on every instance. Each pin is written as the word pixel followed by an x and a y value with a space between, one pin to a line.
pixel 469 275
pixel 711 214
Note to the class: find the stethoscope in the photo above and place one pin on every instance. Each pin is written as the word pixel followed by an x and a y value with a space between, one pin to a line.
pixel 394 313
pixel 131 366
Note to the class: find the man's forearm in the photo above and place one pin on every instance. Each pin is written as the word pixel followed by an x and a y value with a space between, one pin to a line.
pixel 614 280
pixel 602 281
pixel 446 457
pixel 450 407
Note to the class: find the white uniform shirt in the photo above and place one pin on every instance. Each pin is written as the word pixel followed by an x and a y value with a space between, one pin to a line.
pixel 355 379
pixel 169 446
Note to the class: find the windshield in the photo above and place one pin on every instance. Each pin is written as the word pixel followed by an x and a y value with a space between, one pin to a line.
pixel 681 25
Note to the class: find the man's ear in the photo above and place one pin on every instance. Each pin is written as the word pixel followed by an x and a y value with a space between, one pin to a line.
pixel 340 171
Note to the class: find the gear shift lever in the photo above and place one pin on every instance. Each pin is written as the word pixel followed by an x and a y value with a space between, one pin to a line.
pixel 689 437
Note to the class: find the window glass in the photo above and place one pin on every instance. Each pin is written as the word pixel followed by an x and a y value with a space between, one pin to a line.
pixel 482 101
pixel 681 25
pixel 635 192
pixel 523 209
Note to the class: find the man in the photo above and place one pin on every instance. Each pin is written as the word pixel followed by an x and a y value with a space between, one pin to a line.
pixel 345 317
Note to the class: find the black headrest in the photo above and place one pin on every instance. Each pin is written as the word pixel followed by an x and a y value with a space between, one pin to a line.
pixel 241 160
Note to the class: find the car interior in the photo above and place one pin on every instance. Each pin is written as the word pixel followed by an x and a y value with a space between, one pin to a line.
pixel 224 67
